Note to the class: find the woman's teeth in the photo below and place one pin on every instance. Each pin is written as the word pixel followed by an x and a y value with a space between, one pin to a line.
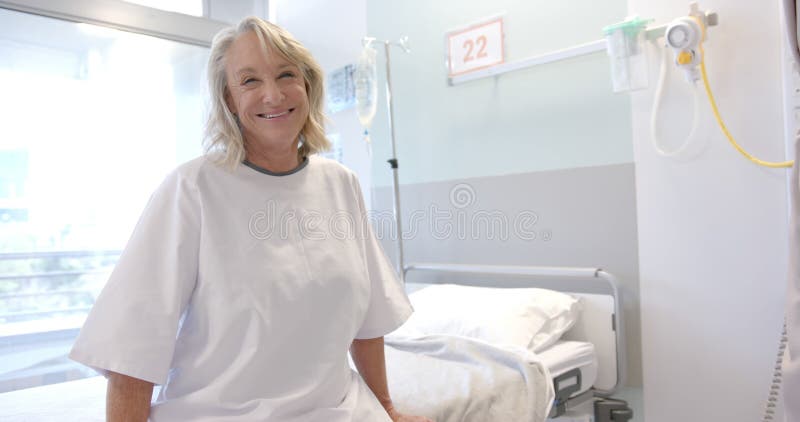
pixel 272 116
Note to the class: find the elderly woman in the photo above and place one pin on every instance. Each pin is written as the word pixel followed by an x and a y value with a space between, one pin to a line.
pixel 253 269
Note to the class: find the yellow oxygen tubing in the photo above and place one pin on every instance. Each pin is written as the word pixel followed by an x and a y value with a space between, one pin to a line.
pixel 771 164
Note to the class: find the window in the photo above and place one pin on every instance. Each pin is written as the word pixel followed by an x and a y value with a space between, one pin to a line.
pixel 93 119
pixel 188 7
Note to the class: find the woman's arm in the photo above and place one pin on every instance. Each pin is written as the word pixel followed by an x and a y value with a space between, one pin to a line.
pixel 127 398
pixel 368 355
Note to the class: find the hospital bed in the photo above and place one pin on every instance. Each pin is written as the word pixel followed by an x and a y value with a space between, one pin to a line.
pixel 452 378
pixel 585 366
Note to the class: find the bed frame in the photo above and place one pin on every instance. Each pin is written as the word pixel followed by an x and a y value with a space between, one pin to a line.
pixel 601 323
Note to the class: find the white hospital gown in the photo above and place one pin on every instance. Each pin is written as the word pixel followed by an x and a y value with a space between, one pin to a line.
pixel 241 291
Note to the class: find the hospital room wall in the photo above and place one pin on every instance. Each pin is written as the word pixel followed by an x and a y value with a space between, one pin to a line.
pixel 552 141
pixel 549 117
pixel 713 226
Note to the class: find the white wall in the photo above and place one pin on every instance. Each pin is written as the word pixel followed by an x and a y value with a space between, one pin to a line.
pixel 563 115
pixel 231 11
pixel 712 228
pixel 333 30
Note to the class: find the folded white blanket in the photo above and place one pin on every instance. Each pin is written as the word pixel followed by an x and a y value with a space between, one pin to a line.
pixel 449 379
pixel 457 379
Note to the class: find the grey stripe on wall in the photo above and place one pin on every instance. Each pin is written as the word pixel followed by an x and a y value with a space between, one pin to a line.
pixel 582 217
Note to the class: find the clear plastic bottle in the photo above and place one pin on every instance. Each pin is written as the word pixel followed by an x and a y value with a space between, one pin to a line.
pixel 366 84
pixel 625 44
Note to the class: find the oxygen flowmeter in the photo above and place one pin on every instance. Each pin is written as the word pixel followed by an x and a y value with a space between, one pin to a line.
pixel 684 36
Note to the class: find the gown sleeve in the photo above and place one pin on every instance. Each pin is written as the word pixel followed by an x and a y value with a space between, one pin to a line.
pixel 389 306
pixel 133 325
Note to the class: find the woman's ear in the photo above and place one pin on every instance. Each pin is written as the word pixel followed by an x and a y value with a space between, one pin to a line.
pixel 229 102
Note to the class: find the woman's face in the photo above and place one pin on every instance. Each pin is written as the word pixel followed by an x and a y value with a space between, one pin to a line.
pixel 266 92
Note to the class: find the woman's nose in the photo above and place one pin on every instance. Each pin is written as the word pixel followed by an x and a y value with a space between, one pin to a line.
pixel 271 93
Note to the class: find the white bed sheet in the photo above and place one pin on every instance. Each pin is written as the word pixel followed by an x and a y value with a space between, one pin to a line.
pixel 84 400
pixel 459 379
pixel 564 356
pixel 74 401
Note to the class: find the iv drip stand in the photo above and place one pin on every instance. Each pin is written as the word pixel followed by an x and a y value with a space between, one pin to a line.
pixel 402 43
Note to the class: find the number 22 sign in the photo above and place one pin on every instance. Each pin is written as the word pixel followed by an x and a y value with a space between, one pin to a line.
pixel 475 47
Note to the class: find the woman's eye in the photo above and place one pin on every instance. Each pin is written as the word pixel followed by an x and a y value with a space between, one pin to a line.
pixel 286 75
pixel 248 80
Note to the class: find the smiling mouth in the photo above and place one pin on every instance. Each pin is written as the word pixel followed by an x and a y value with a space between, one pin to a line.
pixel 275 115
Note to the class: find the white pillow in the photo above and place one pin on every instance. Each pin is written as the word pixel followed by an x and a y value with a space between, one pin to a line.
pixel 530 318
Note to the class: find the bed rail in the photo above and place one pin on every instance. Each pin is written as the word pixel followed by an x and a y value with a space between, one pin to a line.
pixel 534 273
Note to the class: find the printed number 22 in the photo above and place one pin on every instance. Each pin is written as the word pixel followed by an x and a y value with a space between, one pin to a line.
pixel 469 45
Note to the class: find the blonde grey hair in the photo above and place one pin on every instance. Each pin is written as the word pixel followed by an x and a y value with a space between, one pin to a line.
pixel 224 139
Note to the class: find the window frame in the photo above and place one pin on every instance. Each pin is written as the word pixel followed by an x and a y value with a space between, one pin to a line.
pixel 125 16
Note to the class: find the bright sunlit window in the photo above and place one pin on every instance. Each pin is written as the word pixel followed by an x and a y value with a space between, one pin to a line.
pixel 92 121
pixel 187 7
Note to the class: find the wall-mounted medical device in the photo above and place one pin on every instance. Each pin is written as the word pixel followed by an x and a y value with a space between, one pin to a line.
pixel 685 36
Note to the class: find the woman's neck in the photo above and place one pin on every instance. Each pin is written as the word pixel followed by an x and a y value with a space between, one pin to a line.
pixel 277 160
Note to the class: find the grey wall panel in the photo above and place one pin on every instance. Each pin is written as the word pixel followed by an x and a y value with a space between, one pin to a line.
pixel 583 217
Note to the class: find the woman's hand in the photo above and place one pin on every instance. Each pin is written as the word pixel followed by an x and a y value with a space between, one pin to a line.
pixel 368 355
pixel 399 417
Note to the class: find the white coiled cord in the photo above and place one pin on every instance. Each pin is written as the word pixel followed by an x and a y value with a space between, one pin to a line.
pixel 662 78
pixel 777 377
